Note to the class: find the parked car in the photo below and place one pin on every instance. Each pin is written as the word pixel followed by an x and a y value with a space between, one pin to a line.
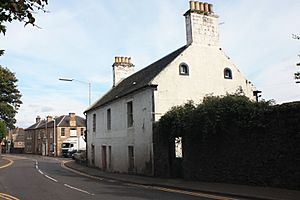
pixel 79 156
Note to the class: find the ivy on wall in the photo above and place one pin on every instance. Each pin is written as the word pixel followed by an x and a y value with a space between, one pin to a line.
pixel 232 139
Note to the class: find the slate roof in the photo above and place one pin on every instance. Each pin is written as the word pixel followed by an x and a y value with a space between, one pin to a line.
pixel 66 121
pixel 61 121
pixel 138 80
pixel 34 126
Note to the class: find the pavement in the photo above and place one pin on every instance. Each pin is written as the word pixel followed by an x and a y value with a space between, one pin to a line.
pixel 239 191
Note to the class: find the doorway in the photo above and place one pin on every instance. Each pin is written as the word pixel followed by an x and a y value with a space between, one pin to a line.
pixel 93 155
pixel 109 159
pixel 176 155
pixel 104 163
pixel 130 159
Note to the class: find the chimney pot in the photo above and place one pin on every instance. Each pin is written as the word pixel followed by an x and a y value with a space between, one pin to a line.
pixel 197 5
pixel 126 59
pixel 37 119
pixel 129 60
pixel 201 7
pixel 116 59
pixel 192 5
pixel 122 59
pixel 210 6
pixel 206 7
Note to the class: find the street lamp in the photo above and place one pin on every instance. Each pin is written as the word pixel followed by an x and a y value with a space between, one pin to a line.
pixel 54 137
pixel 89 84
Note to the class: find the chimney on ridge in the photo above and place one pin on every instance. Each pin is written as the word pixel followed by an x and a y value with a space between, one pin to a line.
pixel 72 119
pixel 37 119
pixel 202 26
pixel 122 68
pixel 49 118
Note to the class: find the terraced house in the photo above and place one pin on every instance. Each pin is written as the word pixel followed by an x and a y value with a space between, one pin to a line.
pixel 120 123
pixel 45 137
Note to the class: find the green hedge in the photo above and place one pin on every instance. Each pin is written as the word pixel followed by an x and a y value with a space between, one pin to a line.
pixel 234 140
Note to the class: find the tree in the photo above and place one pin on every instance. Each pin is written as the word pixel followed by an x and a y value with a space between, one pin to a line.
pixel 21 10
pixel 3 130
pixel 9 97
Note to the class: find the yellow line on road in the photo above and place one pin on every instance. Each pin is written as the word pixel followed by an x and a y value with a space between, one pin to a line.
pixel 7 165
pixel 196 194
pixel 77 172
pixel 15 157
pixel 7 197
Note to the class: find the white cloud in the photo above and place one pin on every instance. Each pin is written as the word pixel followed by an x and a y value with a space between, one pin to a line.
pixel 54 105
pixel 80 41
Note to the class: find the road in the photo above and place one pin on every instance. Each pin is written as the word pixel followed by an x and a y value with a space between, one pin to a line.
pixel 36 177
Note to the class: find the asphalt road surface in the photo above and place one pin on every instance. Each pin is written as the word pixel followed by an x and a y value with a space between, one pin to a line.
pixel 43 178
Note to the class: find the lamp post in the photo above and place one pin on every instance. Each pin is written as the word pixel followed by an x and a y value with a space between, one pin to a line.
pixel 54 138
pixel 89 84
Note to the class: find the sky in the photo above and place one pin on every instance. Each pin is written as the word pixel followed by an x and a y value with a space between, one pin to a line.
pixel 79 40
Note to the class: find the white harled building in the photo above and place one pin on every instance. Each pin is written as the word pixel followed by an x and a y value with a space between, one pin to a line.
pixel 120 123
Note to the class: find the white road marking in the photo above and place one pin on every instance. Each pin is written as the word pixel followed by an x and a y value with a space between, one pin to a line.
pixel 77 189
pixel 37 167
pixel 51 178
pixel 36 164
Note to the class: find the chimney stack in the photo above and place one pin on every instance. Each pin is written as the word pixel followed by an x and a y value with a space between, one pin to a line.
pixel 122 68
pixel 37 119
pixel 72 117
pixel 201 25
pixel 49 118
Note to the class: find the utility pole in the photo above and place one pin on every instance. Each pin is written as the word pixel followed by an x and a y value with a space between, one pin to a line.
pixel 54 138
pixel 297 74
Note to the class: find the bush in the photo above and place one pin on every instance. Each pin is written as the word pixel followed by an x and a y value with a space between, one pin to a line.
pixel 234 140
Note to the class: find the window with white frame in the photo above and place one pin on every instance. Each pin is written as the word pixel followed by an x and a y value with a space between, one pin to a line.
pixel 73 132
